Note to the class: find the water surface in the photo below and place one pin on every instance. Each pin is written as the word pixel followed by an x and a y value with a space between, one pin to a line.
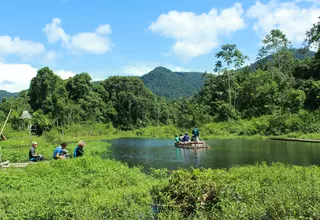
pixel 159 153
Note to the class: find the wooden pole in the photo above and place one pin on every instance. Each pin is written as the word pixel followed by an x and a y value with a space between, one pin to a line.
pixel 1 133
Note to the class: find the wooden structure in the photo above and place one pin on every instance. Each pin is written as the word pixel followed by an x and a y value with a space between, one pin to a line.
pixel 192 144
pixel 1 132
pixel 295 139
pixel 7 164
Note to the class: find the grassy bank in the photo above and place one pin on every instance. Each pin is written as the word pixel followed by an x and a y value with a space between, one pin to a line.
pixel 249 192
pixel 301 125
pixel 81 188
pixel 95 188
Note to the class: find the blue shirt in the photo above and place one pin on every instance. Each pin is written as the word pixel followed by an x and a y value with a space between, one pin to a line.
pixel 78 151
pixel 57 151
pixel 186 138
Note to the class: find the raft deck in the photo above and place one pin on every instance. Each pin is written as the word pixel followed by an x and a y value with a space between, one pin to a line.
pixel 192 144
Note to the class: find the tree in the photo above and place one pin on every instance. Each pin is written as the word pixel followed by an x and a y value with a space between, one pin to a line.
pixel 229 54
pixel 79 86
pixel 275 47
pixel 313 38
pixel 42 87
pixel 135 105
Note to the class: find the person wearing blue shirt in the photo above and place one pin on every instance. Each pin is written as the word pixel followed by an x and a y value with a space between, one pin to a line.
pixel 78 151
pixel 186 137
pixel 58 152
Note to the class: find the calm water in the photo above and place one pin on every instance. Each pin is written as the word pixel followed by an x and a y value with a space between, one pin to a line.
pixel 222 154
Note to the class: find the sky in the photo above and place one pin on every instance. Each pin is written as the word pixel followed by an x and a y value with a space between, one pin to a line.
pixel 107 38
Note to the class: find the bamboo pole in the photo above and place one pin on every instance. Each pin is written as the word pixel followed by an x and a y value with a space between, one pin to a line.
pixel 295 139
pixel 1 133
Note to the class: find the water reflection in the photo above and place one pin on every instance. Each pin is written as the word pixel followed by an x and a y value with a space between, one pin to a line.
pixel 222 154
pixel 190 155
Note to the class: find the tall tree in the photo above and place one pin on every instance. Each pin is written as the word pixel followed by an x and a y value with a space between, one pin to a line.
pixel 275 46
pixel 229 55
pixel 42 87
pixel 313 38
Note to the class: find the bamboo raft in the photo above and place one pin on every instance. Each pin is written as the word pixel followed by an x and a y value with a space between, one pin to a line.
pixel 7 164
pixel 192 145
pixel 296 139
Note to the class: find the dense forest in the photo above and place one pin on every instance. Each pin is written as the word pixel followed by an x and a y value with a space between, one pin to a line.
pixel 171 85
pixel 282 90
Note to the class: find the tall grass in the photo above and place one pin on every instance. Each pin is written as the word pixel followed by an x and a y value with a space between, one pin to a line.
pixel 250 192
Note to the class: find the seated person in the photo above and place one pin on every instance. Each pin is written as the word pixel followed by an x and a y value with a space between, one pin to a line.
pixel 65 153
pixel 78 151
pixel 57 153
pixel 186 137
pixel 177 139
pixel 33 156
pixel 181 137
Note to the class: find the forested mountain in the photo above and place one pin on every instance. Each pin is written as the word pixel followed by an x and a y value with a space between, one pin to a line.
pixel 6 94
pixel 163 82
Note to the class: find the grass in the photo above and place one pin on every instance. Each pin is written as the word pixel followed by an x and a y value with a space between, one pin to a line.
pixel 250 192
pixel 107 189
pixel 80 188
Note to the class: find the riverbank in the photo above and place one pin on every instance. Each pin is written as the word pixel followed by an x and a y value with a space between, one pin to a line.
pixel 109 189
pixel 16 147
pixel 106 188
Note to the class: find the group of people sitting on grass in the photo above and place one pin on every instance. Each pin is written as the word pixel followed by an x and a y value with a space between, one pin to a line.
pixel 59 152
pixel 186 138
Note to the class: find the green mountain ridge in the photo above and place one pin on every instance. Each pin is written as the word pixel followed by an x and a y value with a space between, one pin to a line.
pixel 163 82
pixel 5 94
pixel 171 85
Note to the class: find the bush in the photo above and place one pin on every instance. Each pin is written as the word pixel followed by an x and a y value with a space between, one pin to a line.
pixel 82 188
pixel 250 192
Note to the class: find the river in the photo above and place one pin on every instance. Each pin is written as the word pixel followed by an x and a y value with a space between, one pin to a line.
pixel 159 153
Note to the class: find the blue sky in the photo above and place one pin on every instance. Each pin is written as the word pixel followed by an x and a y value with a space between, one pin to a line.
pixel 121 37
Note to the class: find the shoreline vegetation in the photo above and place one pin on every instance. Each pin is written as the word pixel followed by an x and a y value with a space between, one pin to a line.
pixel 105 188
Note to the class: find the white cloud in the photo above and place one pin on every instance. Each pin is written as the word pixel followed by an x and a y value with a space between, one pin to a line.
pixel 137 70
pixel 16 77
pixel 55 33
pixel 292 19
pixel 96 42
pixel 180 69
pixel 64 74
pixel 104 29
pixel 196 35
pixel 23 48
pixel 90 42
pixel 312 1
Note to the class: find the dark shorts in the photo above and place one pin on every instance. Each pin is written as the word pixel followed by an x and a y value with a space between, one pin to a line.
pixel 36 159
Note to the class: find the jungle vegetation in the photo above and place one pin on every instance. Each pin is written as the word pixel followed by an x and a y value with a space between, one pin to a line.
pixel 278 95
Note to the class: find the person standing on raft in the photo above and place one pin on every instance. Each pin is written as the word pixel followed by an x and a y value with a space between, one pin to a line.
pixel 195 134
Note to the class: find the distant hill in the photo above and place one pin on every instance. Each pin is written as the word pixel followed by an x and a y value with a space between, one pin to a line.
pixel 298 54
pixel 6 94
pixel 163 82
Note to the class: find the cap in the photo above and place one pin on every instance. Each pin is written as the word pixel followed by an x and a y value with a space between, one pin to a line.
pixel 33 142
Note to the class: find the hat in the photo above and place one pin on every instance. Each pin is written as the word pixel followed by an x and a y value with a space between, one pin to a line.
pixel 33 142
